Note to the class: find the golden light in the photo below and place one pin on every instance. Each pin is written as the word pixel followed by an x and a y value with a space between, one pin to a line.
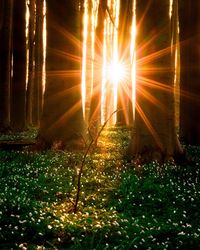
pixel 116 72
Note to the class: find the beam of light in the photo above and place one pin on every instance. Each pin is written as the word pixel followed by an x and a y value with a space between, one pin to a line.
pixel 112 74
pixel 151 98
pixel 105 85
pixel 153 56
pixel 74 41
pixel 63 93
pixel 65 73
pixel 154 84
pixel 113 71
pixel 149 125
pixel 66 116
pixel 64 54
pixel 125 96
pixel 162 87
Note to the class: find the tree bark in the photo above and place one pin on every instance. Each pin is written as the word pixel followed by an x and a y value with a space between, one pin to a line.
pixel 62 122
pixel 176 58
pixel 31 63
pixel 154 136
pixel 18 89
pixel 89 60
pixel 6 11
pixel 189 71
pixel 124 105
pixel 39 56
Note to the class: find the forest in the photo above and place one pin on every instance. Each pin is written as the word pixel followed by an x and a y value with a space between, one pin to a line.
pixel 99 124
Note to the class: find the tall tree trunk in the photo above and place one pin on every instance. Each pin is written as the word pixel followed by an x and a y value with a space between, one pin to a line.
pixel 62 122
pixel 39 56
pixel 190 71
pixel 176 57
pixel 6 11
pixel 95 107
pixel 18 94
pixel 124 106
pixel 89 62
pixel 155 136
pixel 31 63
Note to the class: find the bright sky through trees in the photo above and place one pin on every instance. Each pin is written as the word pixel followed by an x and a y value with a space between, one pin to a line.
pixel 114 70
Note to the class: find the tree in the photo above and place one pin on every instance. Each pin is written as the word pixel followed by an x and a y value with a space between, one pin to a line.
pixel 174 16
pixel 189 71
pixel 62 122
pixel 31 62
pixel 39 56
pixel 88 77
pixel 6 11
pixel 95 106
pixel 154 136
pixel 125 113
pixel 18 88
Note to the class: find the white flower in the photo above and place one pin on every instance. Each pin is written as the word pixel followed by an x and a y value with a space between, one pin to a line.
pixel 23 246
pixel 40 248
pixel 181 233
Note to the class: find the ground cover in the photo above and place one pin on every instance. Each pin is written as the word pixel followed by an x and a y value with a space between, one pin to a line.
pixel 118 209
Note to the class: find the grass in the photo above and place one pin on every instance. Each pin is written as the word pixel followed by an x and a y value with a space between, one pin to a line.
pixel 117 209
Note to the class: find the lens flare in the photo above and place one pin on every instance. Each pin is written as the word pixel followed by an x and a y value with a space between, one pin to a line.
pixel 116 72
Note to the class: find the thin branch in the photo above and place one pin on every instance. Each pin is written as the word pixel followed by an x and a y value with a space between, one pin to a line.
pixel 111 18
pixel 93 141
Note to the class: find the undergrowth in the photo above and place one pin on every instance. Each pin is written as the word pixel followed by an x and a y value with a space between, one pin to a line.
pixel 117 208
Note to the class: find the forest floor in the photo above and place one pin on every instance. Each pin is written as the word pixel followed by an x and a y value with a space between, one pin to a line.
pixel 117 209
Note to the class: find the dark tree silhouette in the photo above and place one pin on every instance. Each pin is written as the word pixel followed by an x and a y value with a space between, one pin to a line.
pixel 6 11
pixel 124 105
pixel 18 89
pixel 31 62
pixel 39 55
pixel 189 71
pixel 62 120
pixel 154 137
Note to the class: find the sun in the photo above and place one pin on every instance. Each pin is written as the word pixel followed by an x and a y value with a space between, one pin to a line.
pixel 116 72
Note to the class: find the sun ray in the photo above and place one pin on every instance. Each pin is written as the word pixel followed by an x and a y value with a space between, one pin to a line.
pixel 154 84
pixel 62 93
pixel 124 106
pixel 66 116
pixel 149 125
pixel 151 98
pixel 75 41
pixel 153 56
pixel 64 73
pixel 64 54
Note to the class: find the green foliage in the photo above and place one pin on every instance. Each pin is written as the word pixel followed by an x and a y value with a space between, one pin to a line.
pixel 159 209
pixel 30 134
pixel 163 204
